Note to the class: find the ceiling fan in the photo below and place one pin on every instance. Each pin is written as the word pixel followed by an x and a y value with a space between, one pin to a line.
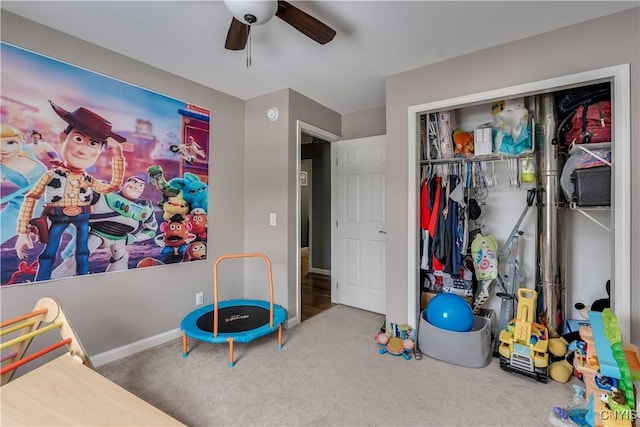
pixel 247 13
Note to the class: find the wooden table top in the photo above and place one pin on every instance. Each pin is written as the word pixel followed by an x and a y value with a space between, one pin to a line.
pixel 66 392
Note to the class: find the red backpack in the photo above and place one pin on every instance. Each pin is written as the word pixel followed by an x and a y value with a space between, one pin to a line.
pixel 590 123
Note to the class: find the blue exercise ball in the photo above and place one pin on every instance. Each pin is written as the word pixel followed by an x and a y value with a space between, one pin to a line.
pixel 450 312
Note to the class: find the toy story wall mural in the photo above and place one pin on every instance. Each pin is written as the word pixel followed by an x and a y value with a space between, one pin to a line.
pixel 97 175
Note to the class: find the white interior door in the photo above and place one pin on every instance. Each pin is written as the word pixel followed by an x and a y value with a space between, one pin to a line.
pixel 360 227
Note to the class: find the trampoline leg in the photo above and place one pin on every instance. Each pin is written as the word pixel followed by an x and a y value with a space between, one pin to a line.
pixel 280 337
pixel 184 345
pixel 230 341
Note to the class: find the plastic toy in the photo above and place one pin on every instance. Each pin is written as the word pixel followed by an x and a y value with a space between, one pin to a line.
pixel 395 346
pixel 450 312
pixel 608 369
pixel 562 369
pixel 573 414
pixel 524 343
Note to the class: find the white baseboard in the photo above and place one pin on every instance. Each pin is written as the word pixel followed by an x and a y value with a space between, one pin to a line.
pixel 290 323
pixel 134 347
pixel 320 271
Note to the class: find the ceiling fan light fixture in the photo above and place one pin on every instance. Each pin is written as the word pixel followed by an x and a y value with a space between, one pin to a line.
pixel 252 12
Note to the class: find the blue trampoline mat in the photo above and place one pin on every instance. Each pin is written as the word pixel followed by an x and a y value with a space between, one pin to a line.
pixel 241 319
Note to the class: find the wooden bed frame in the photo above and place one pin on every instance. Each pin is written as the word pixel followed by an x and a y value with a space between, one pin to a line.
pixel 66 390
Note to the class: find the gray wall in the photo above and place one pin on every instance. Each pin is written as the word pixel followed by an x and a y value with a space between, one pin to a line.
pixel 271 157
pixel 361 124
pixel 616 40
pixel 310 112
pixel 113 310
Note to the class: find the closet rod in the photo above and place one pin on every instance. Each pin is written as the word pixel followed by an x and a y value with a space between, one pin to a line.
pixel 488 158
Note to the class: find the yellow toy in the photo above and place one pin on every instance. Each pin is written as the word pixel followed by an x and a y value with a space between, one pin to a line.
pixel 524 343
pixel 560 370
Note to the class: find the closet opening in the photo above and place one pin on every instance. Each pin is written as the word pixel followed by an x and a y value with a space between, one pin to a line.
pixel 618 215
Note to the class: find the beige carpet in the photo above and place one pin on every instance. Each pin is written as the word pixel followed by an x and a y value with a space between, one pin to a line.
pixel 329 373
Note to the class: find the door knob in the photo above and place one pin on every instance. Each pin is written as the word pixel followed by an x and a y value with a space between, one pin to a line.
pixel 382 232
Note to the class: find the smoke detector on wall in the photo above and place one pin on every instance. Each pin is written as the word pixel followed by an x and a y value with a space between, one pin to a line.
pixel 272 114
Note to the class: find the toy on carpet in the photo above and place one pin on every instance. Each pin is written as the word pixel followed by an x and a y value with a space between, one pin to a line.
pixel 608 370
pixel 450 312
pixel 574 414
pixel 400 344
pixel 524 343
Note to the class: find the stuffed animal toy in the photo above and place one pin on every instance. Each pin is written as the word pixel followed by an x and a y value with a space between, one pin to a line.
pixel 463 142
pixel 561 348
pixel 597 305
pixel 562 369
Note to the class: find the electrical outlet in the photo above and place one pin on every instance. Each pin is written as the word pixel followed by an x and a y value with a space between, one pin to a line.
pixel 199 298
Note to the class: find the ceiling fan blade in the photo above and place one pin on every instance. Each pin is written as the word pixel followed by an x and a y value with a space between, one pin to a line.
pixel 237 35
pixel 305 23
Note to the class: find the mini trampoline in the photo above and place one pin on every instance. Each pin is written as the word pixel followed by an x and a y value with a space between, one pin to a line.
pixel 237 320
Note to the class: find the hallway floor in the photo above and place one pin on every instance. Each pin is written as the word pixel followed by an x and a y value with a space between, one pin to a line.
pixel 316 289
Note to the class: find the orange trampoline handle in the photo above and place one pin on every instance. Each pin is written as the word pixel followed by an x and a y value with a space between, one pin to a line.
pixel 215 285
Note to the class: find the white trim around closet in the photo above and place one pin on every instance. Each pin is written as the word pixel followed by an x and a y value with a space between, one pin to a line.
pixel 621 199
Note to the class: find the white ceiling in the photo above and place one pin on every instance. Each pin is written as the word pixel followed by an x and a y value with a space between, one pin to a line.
pixel 374 39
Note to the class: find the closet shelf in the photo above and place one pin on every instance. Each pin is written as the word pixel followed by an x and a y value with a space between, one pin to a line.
pixel 584 210
pixel 589 149
pixel 574 206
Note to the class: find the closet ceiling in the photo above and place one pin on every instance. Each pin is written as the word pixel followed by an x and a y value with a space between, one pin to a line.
pixel 374 39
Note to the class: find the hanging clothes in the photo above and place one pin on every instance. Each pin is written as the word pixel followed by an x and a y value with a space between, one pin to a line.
pixel 443 224
pixel 453 264
pixel 425 209
pixel 425 218
pixel 435 233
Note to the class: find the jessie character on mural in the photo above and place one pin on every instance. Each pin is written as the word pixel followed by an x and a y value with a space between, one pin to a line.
pixel 68 189
pixel 19 170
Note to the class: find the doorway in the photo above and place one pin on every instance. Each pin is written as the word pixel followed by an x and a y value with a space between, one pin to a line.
pixel 315 219
pixel 314 216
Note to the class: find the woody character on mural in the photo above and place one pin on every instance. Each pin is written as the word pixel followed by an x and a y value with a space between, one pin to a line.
pixel 96 175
